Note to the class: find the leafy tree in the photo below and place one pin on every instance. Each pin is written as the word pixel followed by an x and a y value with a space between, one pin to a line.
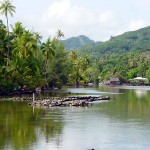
pixel 24 65
pixel 79 65
pixel 58 67
pixel 38 38
pixel 48 52
pixel 17 30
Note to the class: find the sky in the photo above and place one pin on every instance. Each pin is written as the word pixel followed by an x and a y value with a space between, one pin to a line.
pixel 97 19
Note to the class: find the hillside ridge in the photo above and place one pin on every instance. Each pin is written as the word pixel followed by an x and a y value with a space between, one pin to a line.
pixel 131 41
pixel 77 42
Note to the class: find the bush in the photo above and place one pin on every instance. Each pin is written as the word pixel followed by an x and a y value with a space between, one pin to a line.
pixel 7 87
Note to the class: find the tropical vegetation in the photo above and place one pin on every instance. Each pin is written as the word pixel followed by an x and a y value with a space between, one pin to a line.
pixel 26 62
pixel 32 63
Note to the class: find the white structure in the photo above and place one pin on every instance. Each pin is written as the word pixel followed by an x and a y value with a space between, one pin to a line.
pixel 140 78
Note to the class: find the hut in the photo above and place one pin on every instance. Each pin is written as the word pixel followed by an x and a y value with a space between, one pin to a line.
pixel 115 81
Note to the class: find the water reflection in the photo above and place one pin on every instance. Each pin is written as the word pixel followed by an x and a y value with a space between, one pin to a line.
pixel 110 90
pixel 21 128
pixel 93 91
pixel 140 93
pixel 132 104
pixel 122 123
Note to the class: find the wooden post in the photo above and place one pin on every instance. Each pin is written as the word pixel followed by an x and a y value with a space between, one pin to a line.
pixel 33 96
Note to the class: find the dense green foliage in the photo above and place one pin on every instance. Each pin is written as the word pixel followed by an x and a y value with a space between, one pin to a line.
pixel 79 66
pixel 125 56
pixel 125 67
pixel 127 42
pixel 77 42
pixel 26 62
pixel 32 63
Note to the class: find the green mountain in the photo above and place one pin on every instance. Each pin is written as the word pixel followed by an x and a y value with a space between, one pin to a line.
pixel 77 42
pixel 132 41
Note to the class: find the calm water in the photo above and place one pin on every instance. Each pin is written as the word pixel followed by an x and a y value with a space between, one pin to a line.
pixel 120 124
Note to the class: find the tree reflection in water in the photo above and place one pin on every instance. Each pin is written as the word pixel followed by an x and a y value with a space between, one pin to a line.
pixel 131 104
pixel 22 126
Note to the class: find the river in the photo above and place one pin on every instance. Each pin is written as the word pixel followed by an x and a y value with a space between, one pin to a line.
pixel 123 123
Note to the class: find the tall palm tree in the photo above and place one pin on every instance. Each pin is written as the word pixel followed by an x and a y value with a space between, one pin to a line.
pixel 3 35
pixel 23 58
pixel 79 65
pixel 48 49
pixel 48 52
pixel 38 38
pixel 7 8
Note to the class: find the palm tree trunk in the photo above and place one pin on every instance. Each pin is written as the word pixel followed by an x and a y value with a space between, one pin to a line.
pixel 76 83
pixel 7 40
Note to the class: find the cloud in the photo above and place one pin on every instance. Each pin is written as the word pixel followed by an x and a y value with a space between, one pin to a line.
pixel 136 24
pixel 106 17
pixel 63 14
pixel 74 20
pixel 142 2
pixel 58 9
pixel 131 26
pixel 98 20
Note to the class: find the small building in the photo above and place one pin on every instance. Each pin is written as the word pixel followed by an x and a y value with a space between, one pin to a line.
pixel 140 79
pixel 115 81
pixel 106 82
pixel 90 84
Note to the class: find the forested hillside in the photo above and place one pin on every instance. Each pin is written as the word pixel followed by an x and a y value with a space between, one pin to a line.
pixel 125 56
pixel 77 42
pixel 127 42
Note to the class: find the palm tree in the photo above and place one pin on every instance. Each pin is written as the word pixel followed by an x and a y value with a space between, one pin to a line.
pixel 48 52
pixel 79 65
pixel 23 58
pixel 25 45
pixel 48 49
pixel 3 35
pixel 59 34
pixel 17 30
pixel 7 8
pixel 38 38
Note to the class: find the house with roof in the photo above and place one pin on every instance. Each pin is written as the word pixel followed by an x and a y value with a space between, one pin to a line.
pixel 115 81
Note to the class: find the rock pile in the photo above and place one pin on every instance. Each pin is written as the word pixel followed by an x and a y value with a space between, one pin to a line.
pixel 77 101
